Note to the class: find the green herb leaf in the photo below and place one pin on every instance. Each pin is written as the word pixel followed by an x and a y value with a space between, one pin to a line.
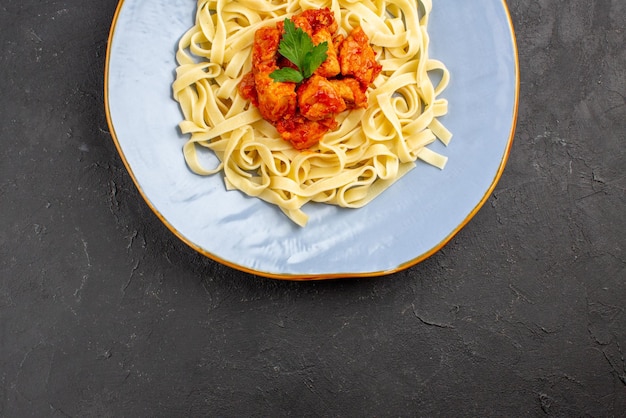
pixel 287 75
pixel 294 44
pixel 313 59
pixel 297 46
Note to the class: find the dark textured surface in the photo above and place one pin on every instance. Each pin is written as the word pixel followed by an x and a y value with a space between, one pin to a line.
pixel 103 312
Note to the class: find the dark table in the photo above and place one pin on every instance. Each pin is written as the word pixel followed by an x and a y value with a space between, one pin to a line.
pixel 103 312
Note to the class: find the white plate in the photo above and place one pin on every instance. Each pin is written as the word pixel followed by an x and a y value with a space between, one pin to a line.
pixel 406 224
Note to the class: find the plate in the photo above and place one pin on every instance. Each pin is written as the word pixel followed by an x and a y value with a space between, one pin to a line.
pixel 406 224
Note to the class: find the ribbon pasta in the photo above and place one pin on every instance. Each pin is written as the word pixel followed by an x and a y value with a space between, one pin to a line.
pixel 371 148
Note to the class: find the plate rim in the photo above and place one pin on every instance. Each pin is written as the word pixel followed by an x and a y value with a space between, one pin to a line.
pixel 321 276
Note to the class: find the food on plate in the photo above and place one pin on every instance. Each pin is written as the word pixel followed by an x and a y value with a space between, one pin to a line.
pixel 304 74
pixel 304 102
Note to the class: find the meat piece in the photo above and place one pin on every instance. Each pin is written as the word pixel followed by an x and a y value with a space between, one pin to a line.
pixel 330 67
pixel 275 99
pixel 247 89
pixel 265 48
pixel 351 91
pixel 318 99
pixel 299 22
pixel 311 21
pixel 302 132
pixel 357 58
pixel 337 40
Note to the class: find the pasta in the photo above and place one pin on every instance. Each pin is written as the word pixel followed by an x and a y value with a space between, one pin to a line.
pixel 371 148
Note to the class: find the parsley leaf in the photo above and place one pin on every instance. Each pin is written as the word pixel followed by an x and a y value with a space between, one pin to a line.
pixel 287 74
pixel 313 59
pixel 297 46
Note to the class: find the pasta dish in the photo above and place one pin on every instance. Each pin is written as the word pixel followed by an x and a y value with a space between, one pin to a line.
pixel 361 152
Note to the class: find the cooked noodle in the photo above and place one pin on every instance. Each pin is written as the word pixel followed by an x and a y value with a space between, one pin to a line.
pixel 370 149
